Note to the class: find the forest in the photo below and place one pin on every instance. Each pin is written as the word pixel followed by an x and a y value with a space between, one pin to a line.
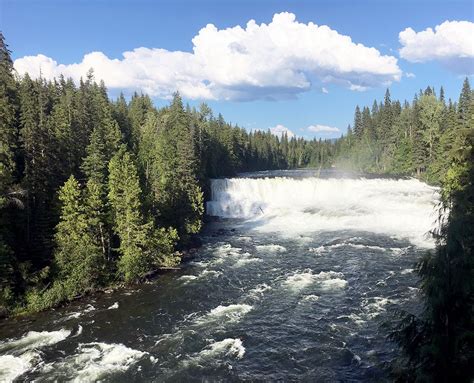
pixel 97 192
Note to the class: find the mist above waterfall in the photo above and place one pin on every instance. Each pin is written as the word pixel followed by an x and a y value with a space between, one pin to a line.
pixel 299 206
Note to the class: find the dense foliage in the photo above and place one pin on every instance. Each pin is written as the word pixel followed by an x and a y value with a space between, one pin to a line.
pixel 418 138
pixel 439 344
pixel 94 191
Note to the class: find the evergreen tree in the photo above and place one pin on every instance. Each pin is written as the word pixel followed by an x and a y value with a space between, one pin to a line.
pixel 77 256
pixel 39 146
pixel 465 103
pixel 429 114
pixel 178 193
pixel 98 216
pixel 141 246
pixel 120 114
pixel 358 129
pixel 8 117
pixel 8 147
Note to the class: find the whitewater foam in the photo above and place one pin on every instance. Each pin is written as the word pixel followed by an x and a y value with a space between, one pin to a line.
pixel 326 280
pixel 228 314
pixel 331 280
pixel 375 306
pixel 310 298
pixel 24 353
pixel 399 208
pixel 94 361
pixel 204 274
pixel 245 261
pixel 73 315
pixel 188 278
pixel 214 353
pixel 210 273
pixel 271 248
pixel 79 330
pixel 114 306
pixel 299 280
pixel 229 347
pixel 11 367
pixel 34 340
pixel 227 250
pixel 260 289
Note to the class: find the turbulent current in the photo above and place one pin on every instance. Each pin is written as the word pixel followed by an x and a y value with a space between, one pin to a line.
pixel 299 277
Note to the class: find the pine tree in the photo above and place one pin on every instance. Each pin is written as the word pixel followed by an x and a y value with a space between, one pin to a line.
pixel 120 114
pixel 358 123
pixel 8 117
pixel 98 216
pixel 142 247
pixel 77 257
pixel 441 95
pixel 429 114
pixel 465 103
pixel 138 108
pixel 178 193
pixel 77 254
pixel 38 148
pixel 386 119
pixel 418 143
pixel 8 147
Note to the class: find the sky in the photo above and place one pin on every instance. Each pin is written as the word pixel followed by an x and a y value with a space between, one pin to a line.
pixel 297 66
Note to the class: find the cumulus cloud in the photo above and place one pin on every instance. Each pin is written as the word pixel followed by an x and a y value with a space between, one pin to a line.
pixel 259 61
pixel 322 129
pixel 279 130
pixel 410 75
pixel 324 90
pixel 450 43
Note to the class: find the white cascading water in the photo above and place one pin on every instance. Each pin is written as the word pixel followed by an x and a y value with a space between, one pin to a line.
pixel 403 209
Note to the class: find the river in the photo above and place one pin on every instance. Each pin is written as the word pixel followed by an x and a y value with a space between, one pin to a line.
pixel 298 276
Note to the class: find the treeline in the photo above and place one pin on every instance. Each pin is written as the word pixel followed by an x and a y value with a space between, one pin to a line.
pixel 94 191
pixel 420 138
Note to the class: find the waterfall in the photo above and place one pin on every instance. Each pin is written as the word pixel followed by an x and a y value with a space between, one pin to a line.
pixel 400 208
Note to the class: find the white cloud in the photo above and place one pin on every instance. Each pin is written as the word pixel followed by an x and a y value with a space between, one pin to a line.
pixel 324 90
pixel 450 43
pixel 410 75
pixel 279 130
pixel 322 129
pixel 259 61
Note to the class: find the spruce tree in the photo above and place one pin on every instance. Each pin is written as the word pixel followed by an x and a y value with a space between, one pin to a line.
pixel 357 123
pixel 8 117
pixel 77 256
pixel 178 193
pixel 464 103
pixel 142 247
pixel 8 147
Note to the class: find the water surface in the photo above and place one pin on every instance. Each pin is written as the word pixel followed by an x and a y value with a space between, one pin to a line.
pixel 295 281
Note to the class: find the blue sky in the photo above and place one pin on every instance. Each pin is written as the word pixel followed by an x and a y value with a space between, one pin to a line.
pixel 288 74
